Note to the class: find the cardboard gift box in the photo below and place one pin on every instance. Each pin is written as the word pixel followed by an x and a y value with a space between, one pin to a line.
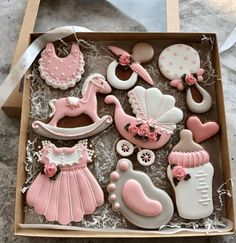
pixel 47 231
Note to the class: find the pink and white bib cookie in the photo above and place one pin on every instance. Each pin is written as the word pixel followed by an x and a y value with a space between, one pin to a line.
pixel 142 52
pixel 190 173
pixel 180 63
pixel 65 190
pixel 58 72
pixel 134 195
pixel 74 107
pixel 202 131
pixel 154 121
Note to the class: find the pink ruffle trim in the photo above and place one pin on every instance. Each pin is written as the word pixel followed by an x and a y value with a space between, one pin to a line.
pixel 189 159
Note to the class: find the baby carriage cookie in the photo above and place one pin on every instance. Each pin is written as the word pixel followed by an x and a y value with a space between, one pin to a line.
pixel 141 53
pixel 74 106
pixel 190 173
pixel 58 72
pixel 180 63
pixel 134 195
pixel 66 190
pixel 153 124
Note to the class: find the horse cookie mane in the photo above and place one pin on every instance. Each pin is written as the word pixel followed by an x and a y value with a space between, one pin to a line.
pixel 87 81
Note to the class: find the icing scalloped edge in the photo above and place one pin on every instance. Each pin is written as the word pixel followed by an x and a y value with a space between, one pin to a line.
pixel 64 84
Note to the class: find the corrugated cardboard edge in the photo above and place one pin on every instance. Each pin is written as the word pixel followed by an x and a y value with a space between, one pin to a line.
pixel 12 107
pixel 20 200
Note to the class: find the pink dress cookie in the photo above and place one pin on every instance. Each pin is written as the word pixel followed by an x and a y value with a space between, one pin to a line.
pixel 190 173
pixel 180 63
pixel 66 190
pixel 61 73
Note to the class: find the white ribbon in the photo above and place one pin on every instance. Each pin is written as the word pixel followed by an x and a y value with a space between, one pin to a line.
pixel 25 61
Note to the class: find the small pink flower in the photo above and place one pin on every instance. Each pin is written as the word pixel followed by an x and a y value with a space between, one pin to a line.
pixel 143 130
pixel 190 80
pixel 124 60
pixel 152 136
pixel 133 129
pixel 50 169
pixel 179 172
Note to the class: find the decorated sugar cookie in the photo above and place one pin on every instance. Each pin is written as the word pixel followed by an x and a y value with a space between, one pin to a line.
pixel 190 173
pixel 202 131
pixel 74 106
pixel 154 122
pixel 180 63
pixel 142 52
pixel 134 195
pixel 58 72
pixel 65 190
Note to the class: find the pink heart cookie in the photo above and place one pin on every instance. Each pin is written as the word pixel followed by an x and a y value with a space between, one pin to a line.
pixel 201 131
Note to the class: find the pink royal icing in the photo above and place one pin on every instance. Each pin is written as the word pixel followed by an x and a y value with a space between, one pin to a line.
pixel 60 72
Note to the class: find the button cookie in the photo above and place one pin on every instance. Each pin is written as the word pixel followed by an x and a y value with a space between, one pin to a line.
pixel 74 106
pixel 134 195
pixel 190 173
pixel 65 190
pixel 142 52
pixel 180 63
pixel 58 72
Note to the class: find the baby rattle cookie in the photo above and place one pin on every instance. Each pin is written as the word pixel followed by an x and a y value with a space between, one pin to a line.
pixel 73 107
pixel 58 72
pixel 65 190
pixel 180 63
pixel 142 52
pixel 190 173
pixel 134 195
pixel 202 131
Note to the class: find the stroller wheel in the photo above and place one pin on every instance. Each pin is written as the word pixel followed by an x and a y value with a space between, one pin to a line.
pixel 124 148
pixel 146 157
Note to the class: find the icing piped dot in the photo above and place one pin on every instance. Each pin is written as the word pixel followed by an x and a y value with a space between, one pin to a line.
pixel 123 166
pixel 116 206
pixel 115 176
pixel 111 187
pixel 112 197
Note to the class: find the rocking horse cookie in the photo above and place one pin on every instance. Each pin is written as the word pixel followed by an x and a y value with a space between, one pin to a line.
pixel 134 195
pixel 180 63
pixel 141 53
pixel 190 173
pixel 65 190
pixel 74 106
pixel 58 72
pixel 155 121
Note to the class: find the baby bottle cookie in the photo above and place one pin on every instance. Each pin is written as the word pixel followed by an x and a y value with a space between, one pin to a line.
pixel 134 195
pixel 61 72
pixel 190 173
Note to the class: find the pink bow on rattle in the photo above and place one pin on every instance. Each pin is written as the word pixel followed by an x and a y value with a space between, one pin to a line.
pixel 189 79
pixel 125 59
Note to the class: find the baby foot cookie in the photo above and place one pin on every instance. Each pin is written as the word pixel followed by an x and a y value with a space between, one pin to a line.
pixel 134 195
pixel 190 173
pixel 180 63
pixel 154 121
pixel 65 190
pixel 202 131
pixel 58 72
pixel 142 52
pixel 73 107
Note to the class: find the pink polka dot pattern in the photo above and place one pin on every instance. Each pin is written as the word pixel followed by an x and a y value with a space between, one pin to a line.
pixel 178 59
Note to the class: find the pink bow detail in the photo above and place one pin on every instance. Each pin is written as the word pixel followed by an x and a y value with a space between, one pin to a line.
pixel 125 59
pixel 189 80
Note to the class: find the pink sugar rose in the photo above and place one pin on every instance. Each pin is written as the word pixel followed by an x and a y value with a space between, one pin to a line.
pixel 143 130
pixel 152 136
pixel 190 80
pixel 133 129
pixel 179 172
pixel 124 60
pixel 50 169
